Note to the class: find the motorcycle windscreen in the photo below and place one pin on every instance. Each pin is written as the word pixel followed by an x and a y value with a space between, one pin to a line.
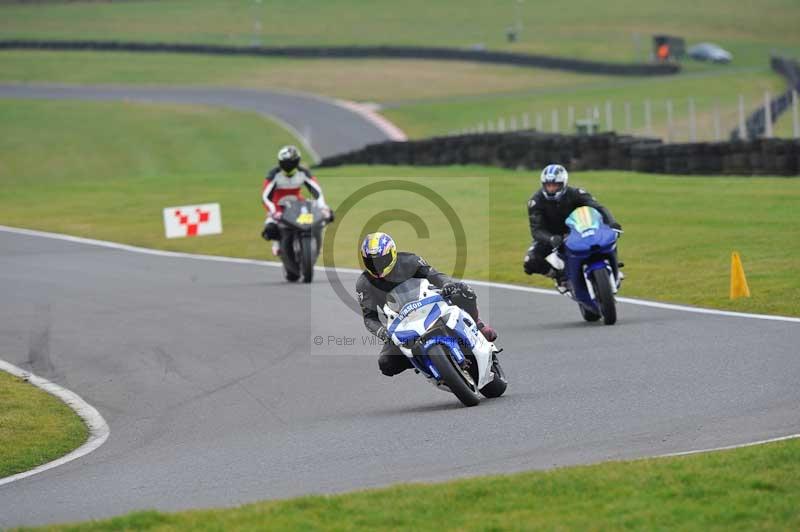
pixel 301 213
pixel 403 293
pixel 584 219
pixel 588 231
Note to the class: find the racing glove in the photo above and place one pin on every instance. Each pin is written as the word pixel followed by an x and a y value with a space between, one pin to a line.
pixel 556 241
pixel 451 289
pixel 382 334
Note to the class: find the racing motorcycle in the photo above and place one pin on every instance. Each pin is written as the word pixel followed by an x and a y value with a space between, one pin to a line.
pixel 443 343
pixel 301 237
pixel 593 274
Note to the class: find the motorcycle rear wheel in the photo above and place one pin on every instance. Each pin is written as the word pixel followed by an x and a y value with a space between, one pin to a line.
pixel 289 276
pixel 498 386
pixel 458 380
pixel 588 315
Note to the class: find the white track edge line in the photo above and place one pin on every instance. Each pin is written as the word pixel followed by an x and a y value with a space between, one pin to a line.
pixel 98 428
pixel 728 447
pixel 378 120
pixel 489 284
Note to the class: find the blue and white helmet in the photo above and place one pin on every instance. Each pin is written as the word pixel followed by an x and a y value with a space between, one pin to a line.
pixel 554 174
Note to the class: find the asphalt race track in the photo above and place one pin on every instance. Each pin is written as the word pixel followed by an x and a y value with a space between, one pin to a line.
pixel 329 128
pixel 207 375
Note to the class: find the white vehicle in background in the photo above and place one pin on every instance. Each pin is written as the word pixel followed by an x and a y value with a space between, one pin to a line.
pixel 707 51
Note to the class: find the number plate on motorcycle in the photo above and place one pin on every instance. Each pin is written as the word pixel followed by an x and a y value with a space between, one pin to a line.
pixel 305 219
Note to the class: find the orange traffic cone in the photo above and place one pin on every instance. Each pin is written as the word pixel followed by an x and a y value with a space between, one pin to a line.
pixel 739 286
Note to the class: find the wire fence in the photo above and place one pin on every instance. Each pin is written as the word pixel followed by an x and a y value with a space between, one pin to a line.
pixel 675 120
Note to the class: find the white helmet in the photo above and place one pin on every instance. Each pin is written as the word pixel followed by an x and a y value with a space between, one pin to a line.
pixel 554 174
pixel 288 159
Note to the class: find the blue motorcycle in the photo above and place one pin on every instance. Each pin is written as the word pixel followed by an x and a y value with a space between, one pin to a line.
pixel 592 272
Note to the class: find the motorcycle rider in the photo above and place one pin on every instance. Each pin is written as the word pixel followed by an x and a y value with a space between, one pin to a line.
pixel 384 269
pixel 548 209
pixel 282 181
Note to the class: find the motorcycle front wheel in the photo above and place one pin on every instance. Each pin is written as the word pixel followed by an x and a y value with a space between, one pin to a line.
pixel 457 379
pixel 605 296
pixel 308 254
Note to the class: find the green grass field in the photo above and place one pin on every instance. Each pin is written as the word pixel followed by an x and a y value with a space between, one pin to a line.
pixel 575 28
pixel 35 427
pixel 106 170
pixel 426 97
pixel 755 488
pixel 680 231
pixel 430 118
pixel 378 80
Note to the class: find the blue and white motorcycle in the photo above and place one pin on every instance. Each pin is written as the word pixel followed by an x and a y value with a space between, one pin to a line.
pixel 443 343
pixel 593 274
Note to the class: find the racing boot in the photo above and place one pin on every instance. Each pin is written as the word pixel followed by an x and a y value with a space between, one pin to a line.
pixel 560 278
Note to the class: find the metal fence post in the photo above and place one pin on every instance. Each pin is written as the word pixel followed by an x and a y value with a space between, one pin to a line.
pixel 692 122
pixel 609 117
pixel 767 115
pixel 526 121
pixel 554 120
pixel 648 126
pixel 669 121
pixel 742 126
pixel 717 124
pixel 628 121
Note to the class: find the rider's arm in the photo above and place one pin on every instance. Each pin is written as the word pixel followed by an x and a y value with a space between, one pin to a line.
pixel 536 219
pixel 269 189
pixel 583 198
pixel 313 187
pixel 369 308
pixel 434 276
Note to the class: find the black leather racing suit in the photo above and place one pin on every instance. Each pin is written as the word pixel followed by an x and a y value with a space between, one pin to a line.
pixel 371 293
pixel 547 219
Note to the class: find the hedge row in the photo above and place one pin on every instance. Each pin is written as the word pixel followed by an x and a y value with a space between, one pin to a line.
pixel 533 150
pixel 756 123
pixel 350 52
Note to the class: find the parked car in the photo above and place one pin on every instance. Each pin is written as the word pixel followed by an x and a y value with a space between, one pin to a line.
pixel 710 52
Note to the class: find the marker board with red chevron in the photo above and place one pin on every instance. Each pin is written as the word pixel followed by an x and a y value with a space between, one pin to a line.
pixel 193 220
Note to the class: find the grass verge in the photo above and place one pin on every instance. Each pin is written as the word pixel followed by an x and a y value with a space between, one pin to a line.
pixel 35 427
pixel 364 79
pixel 63 171
pixel 426 98
pixel 617 30
pixel 743 489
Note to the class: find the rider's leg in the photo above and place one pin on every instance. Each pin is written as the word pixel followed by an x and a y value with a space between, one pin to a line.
pixel 468 300
pixel 392 361
pixel 272 233
pixel 535 259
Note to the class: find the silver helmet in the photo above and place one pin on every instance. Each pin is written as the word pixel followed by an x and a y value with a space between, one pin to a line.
pixel 554 181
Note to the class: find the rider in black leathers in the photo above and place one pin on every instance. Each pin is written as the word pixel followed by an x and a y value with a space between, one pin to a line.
pixel 548 209
pixel 380 278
